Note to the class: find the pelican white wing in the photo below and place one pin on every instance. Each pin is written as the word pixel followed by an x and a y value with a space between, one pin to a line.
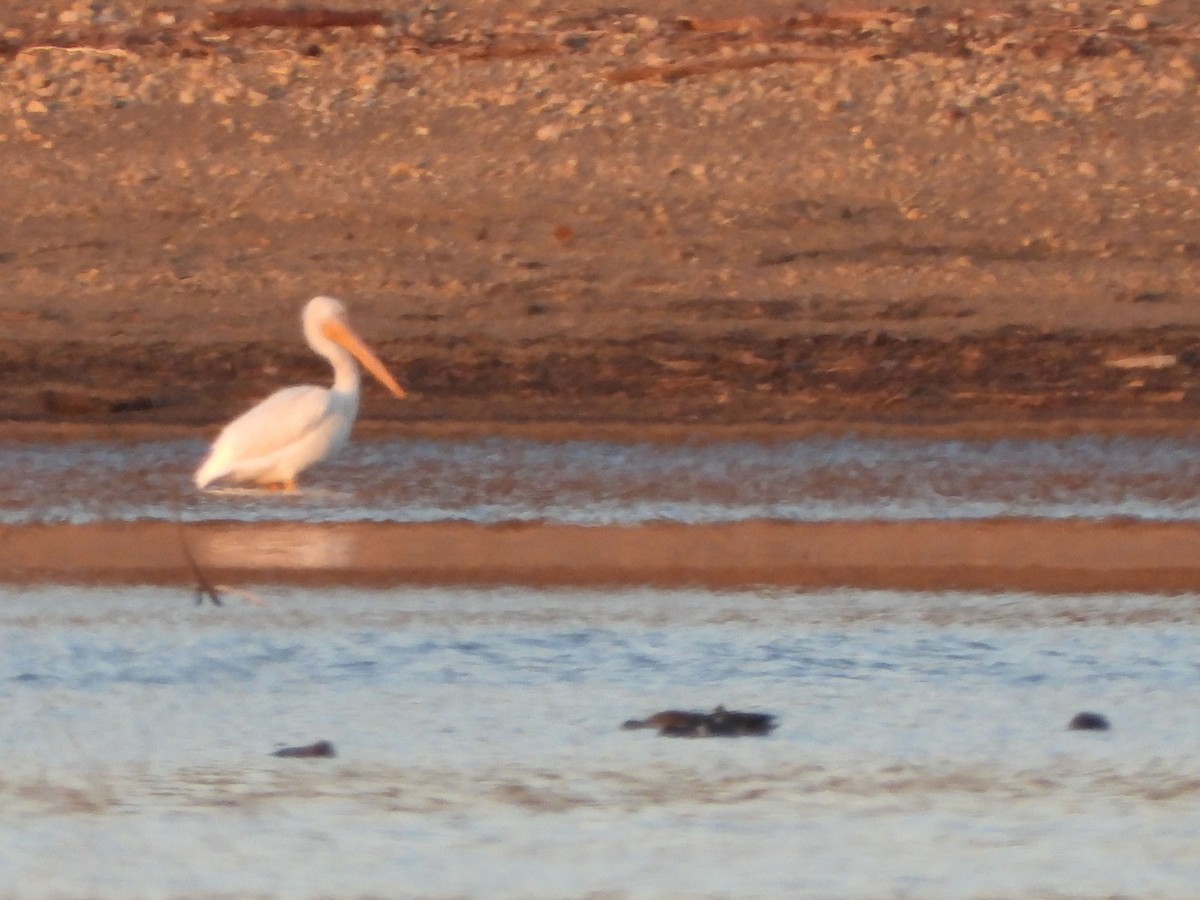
pixel 297 426
pixel 282 435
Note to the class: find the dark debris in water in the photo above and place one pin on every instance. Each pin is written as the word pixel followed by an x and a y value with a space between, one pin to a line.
pixel 204 587
pixel 1089 721
pixel 318 750
pixel 721 722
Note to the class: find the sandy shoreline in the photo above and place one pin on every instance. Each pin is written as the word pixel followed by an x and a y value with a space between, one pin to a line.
pixel 1047 556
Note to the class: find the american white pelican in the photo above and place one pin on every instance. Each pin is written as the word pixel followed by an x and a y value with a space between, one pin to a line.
pixel 297 426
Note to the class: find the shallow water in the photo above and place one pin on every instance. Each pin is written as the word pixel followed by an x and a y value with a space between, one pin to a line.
pixel 819 479
pixel 921 751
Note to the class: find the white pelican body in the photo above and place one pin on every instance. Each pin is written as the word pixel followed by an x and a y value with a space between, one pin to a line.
pixel 297 426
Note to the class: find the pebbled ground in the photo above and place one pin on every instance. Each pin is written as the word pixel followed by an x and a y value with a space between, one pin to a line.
pixel 701 214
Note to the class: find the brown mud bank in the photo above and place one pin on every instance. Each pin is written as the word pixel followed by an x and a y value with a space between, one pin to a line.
pixel 663 212
pixel 671 380
pixel 1047 556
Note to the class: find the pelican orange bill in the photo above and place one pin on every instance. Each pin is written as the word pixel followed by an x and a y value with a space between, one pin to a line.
pixel 342 334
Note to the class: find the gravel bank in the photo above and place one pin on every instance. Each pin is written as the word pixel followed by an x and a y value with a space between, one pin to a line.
pixel 700 213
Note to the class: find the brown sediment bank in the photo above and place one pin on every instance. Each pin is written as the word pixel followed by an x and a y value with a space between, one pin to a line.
pixel 707 213
pixel 997 555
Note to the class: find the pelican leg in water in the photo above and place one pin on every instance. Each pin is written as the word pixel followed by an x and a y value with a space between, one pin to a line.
pixel 297 426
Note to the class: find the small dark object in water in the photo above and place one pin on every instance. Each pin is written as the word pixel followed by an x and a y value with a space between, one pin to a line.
pixel 726 723
pixel 672 722
pixel 210 593
pixel 721 722
pixel 321 749
pixel 1089 721
pixel 204 587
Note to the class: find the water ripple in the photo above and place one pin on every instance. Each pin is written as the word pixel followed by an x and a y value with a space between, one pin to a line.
pixel 593 482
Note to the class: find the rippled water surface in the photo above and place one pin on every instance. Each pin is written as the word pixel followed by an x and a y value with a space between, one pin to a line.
pixel 921 752
pixel 922 749
pixel 595 482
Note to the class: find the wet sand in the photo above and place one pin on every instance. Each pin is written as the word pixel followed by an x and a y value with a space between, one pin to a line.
pixel 993 555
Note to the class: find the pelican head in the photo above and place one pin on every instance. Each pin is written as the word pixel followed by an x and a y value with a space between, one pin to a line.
pixel 327 330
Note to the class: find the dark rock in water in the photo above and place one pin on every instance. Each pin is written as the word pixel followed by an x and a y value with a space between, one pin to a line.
pixel 728 723
pixel 672 722
pixel 321 749
pixel 1089 721
pixel 721 722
